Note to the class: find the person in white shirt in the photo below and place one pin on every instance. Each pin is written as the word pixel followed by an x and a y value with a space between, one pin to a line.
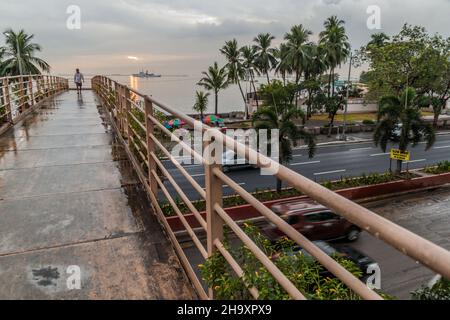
pixel 78 79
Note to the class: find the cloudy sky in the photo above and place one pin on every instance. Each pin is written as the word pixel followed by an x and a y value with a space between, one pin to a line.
pixel 183 36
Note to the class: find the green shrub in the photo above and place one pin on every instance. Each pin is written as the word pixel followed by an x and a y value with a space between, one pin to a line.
pixel 303 271
pixel 269 194
pixel 441 167
pixel 440 291
pixel 368 122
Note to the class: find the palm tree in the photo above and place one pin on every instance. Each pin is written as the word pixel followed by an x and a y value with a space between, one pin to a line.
pixel 314 66
pixel 201 103
pixel 215 79
pixel 249 64
pixel 19 55
pixel 284 66
pixel 279 113
pixel 297 43
pixel 335 42
pixel 235 67
pixel 400 121
pixel 266 56
pixel 378 39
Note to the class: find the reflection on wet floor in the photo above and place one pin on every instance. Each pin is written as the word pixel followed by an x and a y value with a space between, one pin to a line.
pixel 70 197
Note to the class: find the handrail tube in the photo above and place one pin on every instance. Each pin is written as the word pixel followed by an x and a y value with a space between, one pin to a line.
pixel 191 232
pixel 183 171
pixel 180 192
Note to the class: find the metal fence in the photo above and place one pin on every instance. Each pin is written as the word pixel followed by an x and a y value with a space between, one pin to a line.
pixel 18 94
pixel 143 146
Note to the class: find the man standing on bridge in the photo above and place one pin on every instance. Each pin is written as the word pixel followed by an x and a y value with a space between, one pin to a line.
pixel 78 79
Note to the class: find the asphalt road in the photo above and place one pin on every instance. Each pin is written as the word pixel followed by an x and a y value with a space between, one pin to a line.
pixel 331 162
pixel 425 213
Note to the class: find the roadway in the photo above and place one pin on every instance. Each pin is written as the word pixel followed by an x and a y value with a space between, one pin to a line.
pixel 331 162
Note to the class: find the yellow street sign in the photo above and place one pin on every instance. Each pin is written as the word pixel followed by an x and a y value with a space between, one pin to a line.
pixel 400 155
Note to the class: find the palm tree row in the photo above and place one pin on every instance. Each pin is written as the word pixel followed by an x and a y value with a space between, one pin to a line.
pixel 297 56
pixel 17 56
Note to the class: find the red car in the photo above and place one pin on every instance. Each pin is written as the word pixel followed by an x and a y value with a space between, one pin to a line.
pixel 312 220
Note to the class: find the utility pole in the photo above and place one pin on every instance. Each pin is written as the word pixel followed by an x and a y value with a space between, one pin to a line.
pixel 344 132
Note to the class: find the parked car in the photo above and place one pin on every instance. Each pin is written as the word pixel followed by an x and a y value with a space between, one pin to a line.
pixel 365 263
pixel 312 220
pixel 231 160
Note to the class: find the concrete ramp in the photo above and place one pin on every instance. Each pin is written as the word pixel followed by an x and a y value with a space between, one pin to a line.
pixel 74 221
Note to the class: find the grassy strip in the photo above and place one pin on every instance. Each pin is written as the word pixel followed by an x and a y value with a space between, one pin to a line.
pixel 268 194
pixel 441 167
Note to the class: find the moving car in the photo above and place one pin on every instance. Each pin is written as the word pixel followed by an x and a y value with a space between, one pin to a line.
pixel 312 220
pixel 231 160
pixel 365 263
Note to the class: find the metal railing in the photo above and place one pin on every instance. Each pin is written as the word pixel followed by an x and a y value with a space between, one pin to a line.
pixel 124 104
pixel 18 94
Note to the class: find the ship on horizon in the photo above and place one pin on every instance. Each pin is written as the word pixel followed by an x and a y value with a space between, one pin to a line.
pixel 146 74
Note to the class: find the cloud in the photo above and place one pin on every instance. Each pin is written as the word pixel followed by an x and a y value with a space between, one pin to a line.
pixel 171 32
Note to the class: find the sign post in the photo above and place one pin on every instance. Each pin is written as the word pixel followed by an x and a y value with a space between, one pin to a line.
pixel 400 155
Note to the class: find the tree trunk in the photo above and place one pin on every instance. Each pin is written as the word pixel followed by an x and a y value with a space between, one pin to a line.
pixel 332 84
pixel 399 167
pixel 279 185
pixel 331 126
pixel 216 109
pixel 329 83
pixel 268 79
pixel 436 119
pixel 243 98
pixel 308 110
pixel 254 88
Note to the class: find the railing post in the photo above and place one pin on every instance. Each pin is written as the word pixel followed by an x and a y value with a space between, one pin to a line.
pixel 30 88
pixel 127 97
pixel 148 110
pixel 116 107
pixel 123 111
pixel 214 193
pixel 7 99
pixel 22 95
pixel 39 87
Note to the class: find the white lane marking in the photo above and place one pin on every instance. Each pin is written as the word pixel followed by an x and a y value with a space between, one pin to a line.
pixel 413 161
pixel 239 184
pixel 192 165
pixel 198 175
pixel 443 147
pixel 304 163
pixel 379 154
pixel 358 149
pixel 329 172
pixel 297 156
pixel 227 186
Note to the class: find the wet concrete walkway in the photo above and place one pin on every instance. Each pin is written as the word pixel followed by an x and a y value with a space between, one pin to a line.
pixel 70 201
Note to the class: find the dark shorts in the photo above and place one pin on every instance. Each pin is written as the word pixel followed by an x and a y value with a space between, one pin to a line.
pixel 79 84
